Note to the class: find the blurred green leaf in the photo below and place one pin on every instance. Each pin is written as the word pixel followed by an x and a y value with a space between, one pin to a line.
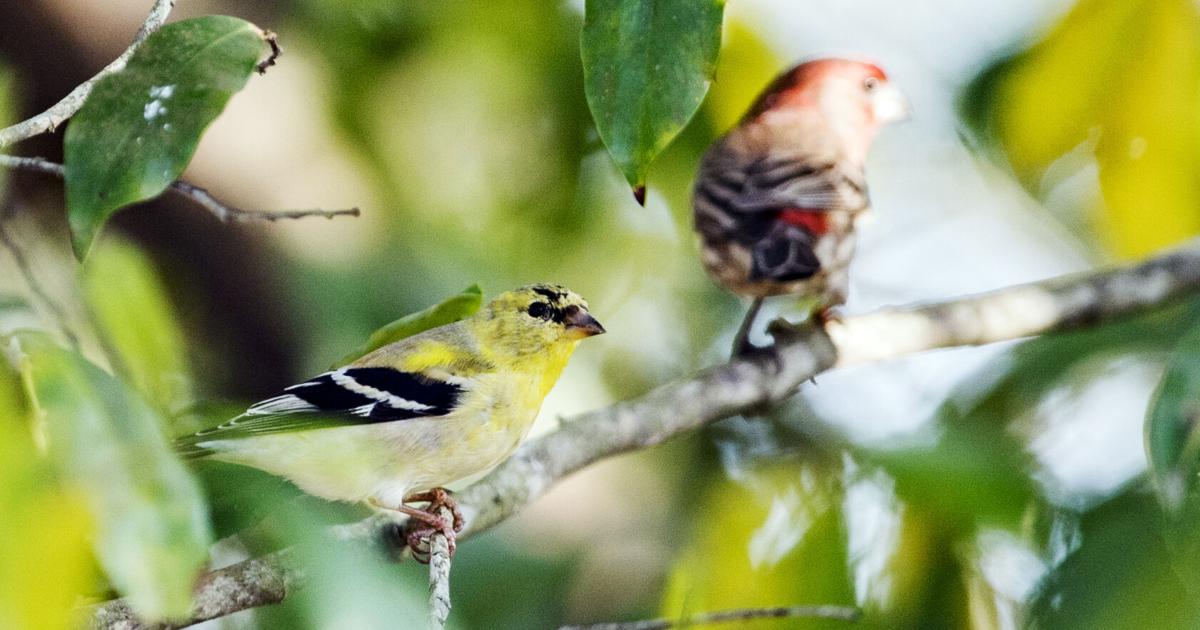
pixel 1119 79
pixel 130 307
pixel 152 532
pixel 445 312
pixel 45 560
pixel 139 127
pixel 647 65
pixel 1172 438
pixel 1120 577
pixel 776 539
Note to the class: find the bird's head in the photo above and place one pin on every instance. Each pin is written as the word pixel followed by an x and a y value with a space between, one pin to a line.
pixel 538 317
pixel 853 98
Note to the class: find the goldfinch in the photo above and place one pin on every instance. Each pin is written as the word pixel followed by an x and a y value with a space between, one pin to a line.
pixel 397 425
pixel 776 198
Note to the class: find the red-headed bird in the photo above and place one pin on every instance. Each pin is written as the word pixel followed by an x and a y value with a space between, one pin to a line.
pixel 777 197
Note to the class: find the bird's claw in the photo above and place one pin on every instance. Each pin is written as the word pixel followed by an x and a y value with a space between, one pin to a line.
pixel 425 523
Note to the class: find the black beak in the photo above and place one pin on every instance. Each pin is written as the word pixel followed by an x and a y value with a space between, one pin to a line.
pixel 581 324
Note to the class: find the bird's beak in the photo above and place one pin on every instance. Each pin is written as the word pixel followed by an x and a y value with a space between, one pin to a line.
pixel 580 324
pixel 890 105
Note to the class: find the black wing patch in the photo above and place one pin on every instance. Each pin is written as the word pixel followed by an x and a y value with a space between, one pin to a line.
pixel 344 397
pixel 374 393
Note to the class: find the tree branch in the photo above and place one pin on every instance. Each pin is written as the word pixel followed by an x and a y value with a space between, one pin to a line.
pixel 439 575
pixel 841 613
pixel 223 211
pixel 50 119
pixel 750 383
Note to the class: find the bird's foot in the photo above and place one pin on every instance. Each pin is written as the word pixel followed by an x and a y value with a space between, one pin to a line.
pixel 437 499
pixel 424 523
pixel 827 315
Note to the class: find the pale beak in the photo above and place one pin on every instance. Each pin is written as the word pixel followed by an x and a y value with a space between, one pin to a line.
pixel 890 105
pixel 580 324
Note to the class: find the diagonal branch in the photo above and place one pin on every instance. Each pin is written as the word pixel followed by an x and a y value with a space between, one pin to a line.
pixel 50 119
pixel 223 211
pixel 772 375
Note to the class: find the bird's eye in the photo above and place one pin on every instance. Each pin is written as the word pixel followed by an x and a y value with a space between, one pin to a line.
pixel 540 310
pixel 870 83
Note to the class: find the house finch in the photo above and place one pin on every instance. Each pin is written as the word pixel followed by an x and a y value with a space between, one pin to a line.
pixel 777 197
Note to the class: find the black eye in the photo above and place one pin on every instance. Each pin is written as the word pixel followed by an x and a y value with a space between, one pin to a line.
pixel 870 83
pixel 540 310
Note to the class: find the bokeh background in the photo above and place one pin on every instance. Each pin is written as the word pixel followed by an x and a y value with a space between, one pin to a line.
pixel 997 487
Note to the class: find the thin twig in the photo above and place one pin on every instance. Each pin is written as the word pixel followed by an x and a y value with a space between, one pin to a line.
pixel 223 211
pixel 773 374
pixel 439 575
pixel 842 613
pixel 50 119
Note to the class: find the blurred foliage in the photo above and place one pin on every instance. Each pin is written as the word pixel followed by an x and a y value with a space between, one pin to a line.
pixel 445 312
pixel 44 550
pixel 777 538
pixel 139 127
pixel 152 532
pixel 1121 577
pixel 1171 425
pixel 138 325
pixel 1118 82
pixel 647 65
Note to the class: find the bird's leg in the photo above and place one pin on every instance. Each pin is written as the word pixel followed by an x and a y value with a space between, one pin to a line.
pixel 741 342
pixel 421 525
pixel 437 499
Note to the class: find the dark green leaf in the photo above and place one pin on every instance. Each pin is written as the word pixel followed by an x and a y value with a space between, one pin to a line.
pixel 139 127
pixel 152 532
pixel 1120 576
pixel 448 311
pixel 647 65
pixel 1172 438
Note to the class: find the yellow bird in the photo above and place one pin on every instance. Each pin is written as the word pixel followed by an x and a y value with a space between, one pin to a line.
pixel 402 422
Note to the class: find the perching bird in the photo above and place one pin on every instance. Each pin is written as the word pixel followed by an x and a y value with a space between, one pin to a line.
pixel 402 422
pixel 776 197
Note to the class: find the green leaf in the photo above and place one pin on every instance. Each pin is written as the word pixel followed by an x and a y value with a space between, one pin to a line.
pixel 139 127
pixel 448 311
pixel 44 553
pixel 152 532
pixel 1120 576
pixel 130 307
pixel 1117 81
pixel 647 65
pixel 1172 438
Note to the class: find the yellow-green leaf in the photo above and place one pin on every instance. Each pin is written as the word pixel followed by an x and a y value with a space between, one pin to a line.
pixel 448 311
pixel 152 531
pixel 45 560
pixel 1119 80
pixel 139 127
pixel 130 307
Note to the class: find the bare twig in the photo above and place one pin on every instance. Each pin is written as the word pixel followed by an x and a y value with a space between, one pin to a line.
pixel 439 575
pixel 200 196
pixel 841 613
pixel 50 119
pixel 772 375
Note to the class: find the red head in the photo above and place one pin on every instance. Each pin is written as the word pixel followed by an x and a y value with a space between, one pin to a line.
pixel 853 98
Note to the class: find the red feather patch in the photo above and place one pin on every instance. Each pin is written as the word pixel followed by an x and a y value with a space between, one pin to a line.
pixel 814 221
